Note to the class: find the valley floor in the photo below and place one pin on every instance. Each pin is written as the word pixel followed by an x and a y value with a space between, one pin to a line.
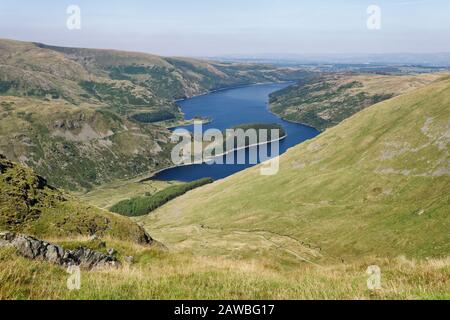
pixel 109 194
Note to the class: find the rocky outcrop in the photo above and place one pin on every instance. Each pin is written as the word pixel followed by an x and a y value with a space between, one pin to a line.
pixel 29 205
pixel 36 249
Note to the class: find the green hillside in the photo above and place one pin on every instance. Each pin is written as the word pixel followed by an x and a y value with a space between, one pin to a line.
pixel 36 208
pixel 372 190
pixel 171 78
pixel 85 117
pixel 29 205
pixel 375 185
pixel 324 101
pixel 78 147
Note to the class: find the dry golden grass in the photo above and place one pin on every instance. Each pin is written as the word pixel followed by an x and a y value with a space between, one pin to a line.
pixel 163 275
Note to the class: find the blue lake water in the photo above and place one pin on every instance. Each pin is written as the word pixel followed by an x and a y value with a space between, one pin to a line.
pixel 228 108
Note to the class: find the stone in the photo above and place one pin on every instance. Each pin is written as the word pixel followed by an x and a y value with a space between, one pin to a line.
pixel 36 249
pixel 54 254
pixel 129 259
pixel 6 236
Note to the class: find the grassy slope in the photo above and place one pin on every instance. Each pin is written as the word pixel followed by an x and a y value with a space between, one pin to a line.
pixel 325 101
pixel 163 275
pixel 29 205
pixel 377 184
pixel 65 111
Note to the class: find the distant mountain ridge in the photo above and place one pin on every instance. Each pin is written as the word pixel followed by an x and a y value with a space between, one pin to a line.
pixel 441 59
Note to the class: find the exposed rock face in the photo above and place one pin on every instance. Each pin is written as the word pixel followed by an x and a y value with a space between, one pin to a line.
pixel 33 248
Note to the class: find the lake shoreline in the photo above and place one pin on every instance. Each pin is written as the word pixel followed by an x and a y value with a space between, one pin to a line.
pixel 292 121
pixel 257 95
pixel 232 87
pixel 205 161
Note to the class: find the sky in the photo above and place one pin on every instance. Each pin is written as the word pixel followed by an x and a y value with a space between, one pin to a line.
pixel 213 28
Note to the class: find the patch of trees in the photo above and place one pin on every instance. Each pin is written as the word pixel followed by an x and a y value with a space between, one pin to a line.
pixel 143 205
pixel 156 116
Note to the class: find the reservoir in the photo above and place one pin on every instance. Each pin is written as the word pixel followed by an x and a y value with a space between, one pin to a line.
pixel 228 108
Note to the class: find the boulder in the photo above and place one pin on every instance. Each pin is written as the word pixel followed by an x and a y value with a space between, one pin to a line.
pixel 36 249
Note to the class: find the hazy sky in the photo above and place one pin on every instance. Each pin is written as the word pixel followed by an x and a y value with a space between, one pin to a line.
pixel 211 27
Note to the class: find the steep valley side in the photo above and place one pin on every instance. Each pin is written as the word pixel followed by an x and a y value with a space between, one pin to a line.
pixel 377 184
